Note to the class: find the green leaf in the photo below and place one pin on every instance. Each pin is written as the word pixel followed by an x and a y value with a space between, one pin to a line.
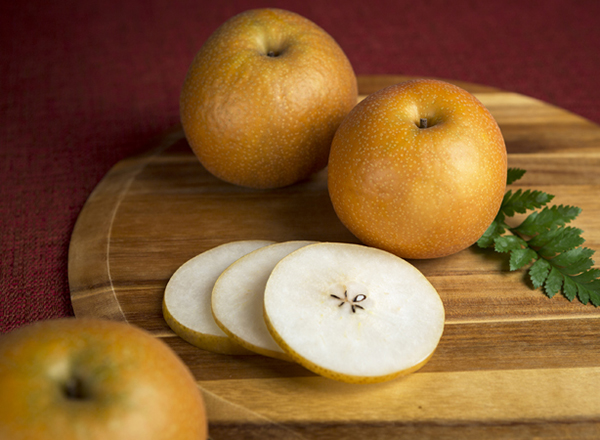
pixel 539 272
pixel 560 263
pixel 574 261
pixel 594 292
pixel 507 243
pixel 514 174
pixel 583 293
pixel 543 238
pixel 547 218
pixel 563 240
pixel 569 288
pixel 588 276
pixel 589 292
pixel 522 257
pixel 492 232
pixel 585 286
pixel 521 201
pixel 553 282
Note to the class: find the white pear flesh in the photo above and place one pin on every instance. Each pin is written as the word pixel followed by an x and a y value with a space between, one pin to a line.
pixel 187 298
pixel 237 298
pixel 353 313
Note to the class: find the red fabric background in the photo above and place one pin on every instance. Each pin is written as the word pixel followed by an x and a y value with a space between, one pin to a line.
pixel 85 84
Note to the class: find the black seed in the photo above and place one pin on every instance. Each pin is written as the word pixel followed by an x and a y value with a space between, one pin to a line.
pixel 359 298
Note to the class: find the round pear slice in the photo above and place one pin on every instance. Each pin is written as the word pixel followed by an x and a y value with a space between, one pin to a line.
pixel 237 298
pixel 353 313
pixel 186 303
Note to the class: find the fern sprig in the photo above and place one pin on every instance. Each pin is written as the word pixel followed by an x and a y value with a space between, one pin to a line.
pixel 553 250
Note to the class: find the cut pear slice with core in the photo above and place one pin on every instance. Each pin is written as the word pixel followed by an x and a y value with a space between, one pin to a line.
pixel 237 298
pixel 353 313
pixel 186 303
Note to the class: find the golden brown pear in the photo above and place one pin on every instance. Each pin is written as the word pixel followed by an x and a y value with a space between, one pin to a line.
pixel 418 169
pixel 75 379
pixel 263 98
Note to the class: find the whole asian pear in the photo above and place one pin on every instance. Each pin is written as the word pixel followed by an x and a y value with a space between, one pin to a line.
pixel 418 169
pixel 82 378
pixel 263 98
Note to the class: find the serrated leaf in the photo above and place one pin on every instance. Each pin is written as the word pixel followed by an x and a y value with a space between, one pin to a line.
pixel 594 285
pixel 573 256
pixel 577 268
pixel 543 238
pixel 585 286
pixel 507 243
pixel 521 257
pixel 565 239
pixel 554 282
pixel 559 261
pixel 492 232
pixel 514 174
pixel 588 276
pixel 574 261
pixel 594 292
pixel 521 201
pixel 548 218
pixel 506 198
pixel 539 272
pixel 558 215
pixel 569 289
pixel 583 294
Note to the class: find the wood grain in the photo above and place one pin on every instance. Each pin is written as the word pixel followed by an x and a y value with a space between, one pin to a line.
pixel 512 363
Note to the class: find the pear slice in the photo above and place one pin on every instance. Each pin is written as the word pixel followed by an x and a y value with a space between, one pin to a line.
pixel 237 298
pixel 353 313
pixel 186 303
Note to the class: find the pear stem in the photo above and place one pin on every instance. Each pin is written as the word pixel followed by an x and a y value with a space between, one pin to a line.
pixel 423 123
pixel 74 389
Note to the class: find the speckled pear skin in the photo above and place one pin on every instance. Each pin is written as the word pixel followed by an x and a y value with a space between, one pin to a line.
pixel 263 98
pixel 418 192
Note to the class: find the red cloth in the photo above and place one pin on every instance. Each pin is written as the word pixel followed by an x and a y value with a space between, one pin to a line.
pixel 84 84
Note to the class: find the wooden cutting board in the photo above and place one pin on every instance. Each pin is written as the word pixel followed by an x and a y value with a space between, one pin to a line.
pixel 512 363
